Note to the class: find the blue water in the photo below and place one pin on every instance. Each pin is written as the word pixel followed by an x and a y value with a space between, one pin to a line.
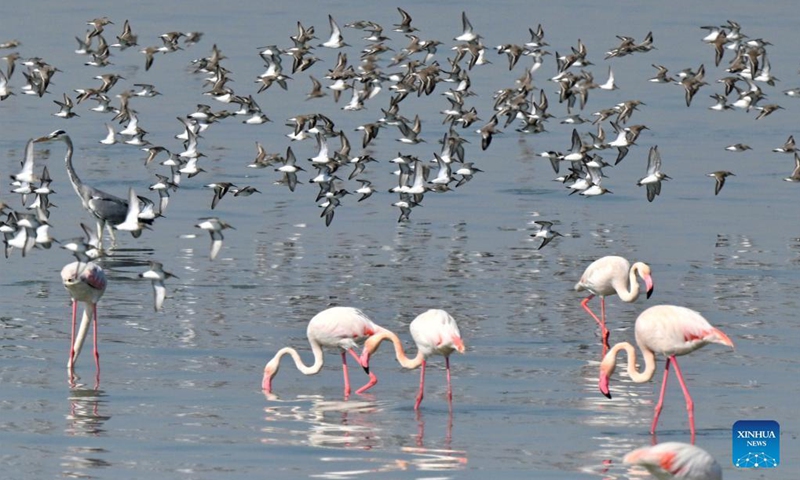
pixel 179 395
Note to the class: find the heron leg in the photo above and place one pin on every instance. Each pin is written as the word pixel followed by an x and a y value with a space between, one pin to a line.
pixel 689 402
pixel 421 385
pixel 113 235
pixel 100 224
pixel 661 396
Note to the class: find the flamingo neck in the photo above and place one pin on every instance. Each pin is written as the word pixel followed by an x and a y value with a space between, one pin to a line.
pixel 83 329
pixel 298 362
pixel 610 362
pixel 630 292
pixel 375 341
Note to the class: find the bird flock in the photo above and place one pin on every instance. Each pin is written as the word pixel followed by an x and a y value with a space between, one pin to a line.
pixel 372 72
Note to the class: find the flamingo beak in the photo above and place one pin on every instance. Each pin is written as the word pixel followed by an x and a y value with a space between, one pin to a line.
pixel 648 282
pixel 604 385
pixel 364 361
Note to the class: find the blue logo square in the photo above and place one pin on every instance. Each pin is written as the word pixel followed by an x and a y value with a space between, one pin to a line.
pixel 756 444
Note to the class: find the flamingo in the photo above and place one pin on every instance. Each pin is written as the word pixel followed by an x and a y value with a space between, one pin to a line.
pixel 435 332
pixel 336 327
pixel 676 460
pixel 671 331
pixel 85 282
pixel 608 276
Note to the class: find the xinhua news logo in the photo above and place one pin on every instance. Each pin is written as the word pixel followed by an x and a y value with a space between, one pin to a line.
pixel 756 444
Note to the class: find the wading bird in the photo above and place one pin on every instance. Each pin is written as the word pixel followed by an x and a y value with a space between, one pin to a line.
pixel 435 332
pixel 671 331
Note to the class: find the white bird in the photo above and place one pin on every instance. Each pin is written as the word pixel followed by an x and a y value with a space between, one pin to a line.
pixel 157 275
pixel 435 332
pixel 676 460
pixel 85 282
pixel 336 39
pixel 214 226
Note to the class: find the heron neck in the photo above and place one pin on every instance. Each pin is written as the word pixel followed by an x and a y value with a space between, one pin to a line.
pixel 73 176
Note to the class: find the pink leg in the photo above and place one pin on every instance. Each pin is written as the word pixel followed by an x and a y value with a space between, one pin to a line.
pixel 689 402
pixel 660 397
pixel 346 377
pixel 601 323
pixel 421 385
pixel 70 363
pixel 373 380
pixel 449 389
pixel 96 351
pixel 603 328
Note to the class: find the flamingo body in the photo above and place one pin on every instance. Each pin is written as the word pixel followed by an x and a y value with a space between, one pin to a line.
pixel 670 331
pixel 612 275
pixel 85 282
pixel 676 460
pixel 435 332
pixel 341 328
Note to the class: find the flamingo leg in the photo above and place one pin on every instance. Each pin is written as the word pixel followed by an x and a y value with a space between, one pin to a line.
pixel 603 328
pixel 373 380
pixel 346 376
pixel 94 339
pixel 601 323
pixel 449 388
pixel 421 385
pixel 689 402
pixel 72 335
pixel 660 397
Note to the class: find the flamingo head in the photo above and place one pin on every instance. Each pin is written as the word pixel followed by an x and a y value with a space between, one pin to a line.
pixel 269 371
pixel 607 367
pixel 370 346
pixel 644 273
pixel 459 344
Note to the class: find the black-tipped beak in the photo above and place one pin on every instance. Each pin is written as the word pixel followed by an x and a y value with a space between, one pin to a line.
pixel 366 369
pixel 607 394
pixel 649 292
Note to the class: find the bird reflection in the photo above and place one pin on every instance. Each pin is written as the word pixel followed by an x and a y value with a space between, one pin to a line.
pixel 85 420
pixel 436 459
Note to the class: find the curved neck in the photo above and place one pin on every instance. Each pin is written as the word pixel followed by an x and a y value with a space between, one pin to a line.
pixel 630 292
pixel 636 376
pixel 73 177
pixel 298 362
pixel 375 341
pixel 83 329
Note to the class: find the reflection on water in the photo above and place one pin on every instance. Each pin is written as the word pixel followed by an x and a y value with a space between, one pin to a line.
pixel 85 420
pixel 354 426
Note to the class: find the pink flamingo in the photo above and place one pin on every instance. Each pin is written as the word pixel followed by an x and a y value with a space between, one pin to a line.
pixel 676 460
pixel 85 282
pixel 336 327
pixel 608 276
pixel 435 332
pixel 671 331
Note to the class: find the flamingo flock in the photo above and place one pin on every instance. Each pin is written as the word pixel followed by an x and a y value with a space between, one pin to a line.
pixel 666 330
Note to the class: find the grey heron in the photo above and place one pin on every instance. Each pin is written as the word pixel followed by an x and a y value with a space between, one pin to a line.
pixel 107 209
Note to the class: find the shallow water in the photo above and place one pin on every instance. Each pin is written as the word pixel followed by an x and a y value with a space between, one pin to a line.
pixel 179 395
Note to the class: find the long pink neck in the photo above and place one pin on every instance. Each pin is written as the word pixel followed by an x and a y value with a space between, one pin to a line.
pixel 630 292
pixel 636 376
pixel 375 341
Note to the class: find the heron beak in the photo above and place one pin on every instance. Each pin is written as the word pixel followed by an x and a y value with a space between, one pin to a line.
pixel 41 139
